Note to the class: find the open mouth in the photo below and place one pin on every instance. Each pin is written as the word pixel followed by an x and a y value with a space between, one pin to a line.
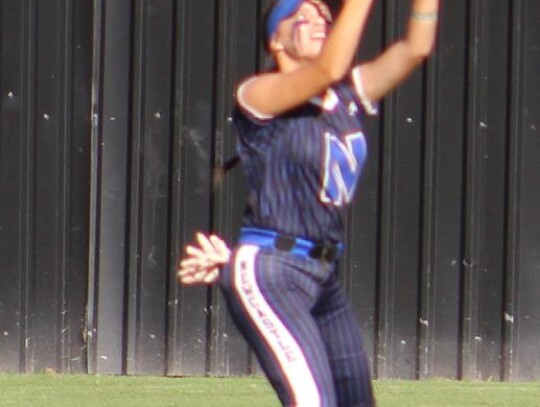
pixel 318 36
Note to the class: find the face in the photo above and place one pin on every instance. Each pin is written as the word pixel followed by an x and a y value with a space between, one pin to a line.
pixel 303 34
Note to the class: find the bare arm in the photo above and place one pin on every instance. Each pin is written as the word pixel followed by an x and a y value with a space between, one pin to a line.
pixel 394 65
pixel 274 93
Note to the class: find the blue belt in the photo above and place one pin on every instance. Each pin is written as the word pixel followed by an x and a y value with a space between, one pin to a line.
pixel 326 251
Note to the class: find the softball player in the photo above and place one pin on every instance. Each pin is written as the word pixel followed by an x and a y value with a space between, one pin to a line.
pixel 302 147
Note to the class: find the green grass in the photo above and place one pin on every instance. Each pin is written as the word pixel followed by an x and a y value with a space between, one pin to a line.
pixel 437 393
pixel 61 391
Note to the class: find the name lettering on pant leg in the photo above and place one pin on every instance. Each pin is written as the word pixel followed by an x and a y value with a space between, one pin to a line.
pixel 267 323
pixel 287 353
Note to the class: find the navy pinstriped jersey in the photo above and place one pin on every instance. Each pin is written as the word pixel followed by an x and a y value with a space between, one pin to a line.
pixel 302 168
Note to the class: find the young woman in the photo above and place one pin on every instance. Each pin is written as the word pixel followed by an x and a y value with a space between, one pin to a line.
pixel 302 146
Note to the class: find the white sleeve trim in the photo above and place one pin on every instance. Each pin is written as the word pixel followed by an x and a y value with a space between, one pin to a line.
pixel 369 106
pixel 242 103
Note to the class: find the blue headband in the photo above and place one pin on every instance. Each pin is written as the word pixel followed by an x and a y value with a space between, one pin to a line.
pixel 280 12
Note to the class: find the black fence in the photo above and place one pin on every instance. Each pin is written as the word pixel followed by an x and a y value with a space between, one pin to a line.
pixel 113 114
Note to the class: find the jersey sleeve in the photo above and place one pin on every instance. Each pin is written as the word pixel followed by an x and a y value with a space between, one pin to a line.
pixel 250 112
pixel 370 107
pixel 254 130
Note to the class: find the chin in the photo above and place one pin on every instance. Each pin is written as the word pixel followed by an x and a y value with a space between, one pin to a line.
pixel 312 55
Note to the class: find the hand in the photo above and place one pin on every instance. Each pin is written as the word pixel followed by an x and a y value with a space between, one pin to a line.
pixel 201 265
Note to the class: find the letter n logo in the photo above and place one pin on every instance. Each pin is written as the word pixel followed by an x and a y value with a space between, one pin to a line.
pixel 343 162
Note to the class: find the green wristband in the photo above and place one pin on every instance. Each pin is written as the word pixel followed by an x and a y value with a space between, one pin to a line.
pixel 424 16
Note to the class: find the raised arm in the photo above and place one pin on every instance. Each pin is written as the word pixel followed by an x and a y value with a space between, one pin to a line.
pixel 388 70
pixel 298 81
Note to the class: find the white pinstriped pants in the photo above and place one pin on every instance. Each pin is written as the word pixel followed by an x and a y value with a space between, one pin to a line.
pixel 293 313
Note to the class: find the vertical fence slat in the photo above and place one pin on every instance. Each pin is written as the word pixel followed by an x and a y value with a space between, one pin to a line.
pixel 513 216
pixel 13 153
pixel 236 45
pixel 527 315
pixel 110 141
pixel 485 204
pixel 47 205
pixel 78 130
pixel 491 255
pixel 401 205
pixel 443 193
pixel 192 163
pixel 149 188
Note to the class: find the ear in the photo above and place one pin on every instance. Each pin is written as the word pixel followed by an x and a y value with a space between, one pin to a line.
pixel 275 45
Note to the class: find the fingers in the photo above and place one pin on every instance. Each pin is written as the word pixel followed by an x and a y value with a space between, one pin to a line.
pixel 202 261
pixel 194 268
pixel 216 250
pixel 211 276
pixel 213 248
pixel 206 256
pixel 201 264
pixel 205 244
pixel 194 252
pixel 220 247
pixel 198 276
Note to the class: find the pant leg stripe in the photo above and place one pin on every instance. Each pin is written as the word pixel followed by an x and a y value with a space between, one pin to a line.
pixel 286 350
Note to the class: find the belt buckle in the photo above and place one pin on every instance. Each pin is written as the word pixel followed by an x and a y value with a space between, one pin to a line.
pixel 324 251
pixel 285 243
